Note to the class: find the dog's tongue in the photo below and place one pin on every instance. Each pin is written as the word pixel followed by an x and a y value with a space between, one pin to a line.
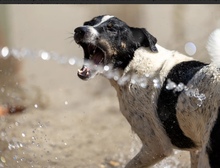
pixel 84 73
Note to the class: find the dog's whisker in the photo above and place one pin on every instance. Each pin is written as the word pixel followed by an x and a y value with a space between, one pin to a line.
pixel 71 37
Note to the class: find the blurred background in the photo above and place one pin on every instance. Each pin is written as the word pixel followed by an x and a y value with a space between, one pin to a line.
pixel 49 117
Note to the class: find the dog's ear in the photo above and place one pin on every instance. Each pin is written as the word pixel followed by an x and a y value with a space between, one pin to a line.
pixel 144 38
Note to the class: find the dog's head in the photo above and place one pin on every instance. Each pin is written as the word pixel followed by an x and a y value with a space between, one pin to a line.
pixel 106 40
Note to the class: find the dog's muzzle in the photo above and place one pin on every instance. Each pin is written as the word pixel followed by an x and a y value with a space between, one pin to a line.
pixel 86 37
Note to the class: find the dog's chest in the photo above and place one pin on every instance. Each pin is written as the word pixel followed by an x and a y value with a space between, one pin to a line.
pixel 138 105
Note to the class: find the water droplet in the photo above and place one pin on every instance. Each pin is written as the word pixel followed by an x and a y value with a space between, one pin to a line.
pixel 106 68
pixel 170 85
pixel 17 123
pixel 3 133
pixel 3 159
pixel 21 145
pixel 72 61
pixel 10 146
pixel 142 81
pixel 190 48
pixel 116 77
pixel 179 87
pixel 133 81
pixel 36 106
pixel 5 52
pixel 2 90
pixel 143 84
pixel 202 97
pixel 196 92
pixel 15 157
pixel 44 55
pixel 40 125
pixel 156 83
pixel 123 80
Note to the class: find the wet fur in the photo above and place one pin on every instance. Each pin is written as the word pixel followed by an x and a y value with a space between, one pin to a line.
pixel 197 124
pixel 139 106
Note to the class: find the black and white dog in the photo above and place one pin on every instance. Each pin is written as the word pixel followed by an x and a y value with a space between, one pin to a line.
pixel 169 99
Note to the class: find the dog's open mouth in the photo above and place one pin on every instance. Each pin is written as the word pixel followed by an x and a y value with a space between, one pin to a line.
pixel 94 56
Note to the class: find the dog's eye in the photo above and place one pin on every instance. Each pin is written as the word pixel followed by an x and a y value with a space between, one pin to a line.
pixel 110 26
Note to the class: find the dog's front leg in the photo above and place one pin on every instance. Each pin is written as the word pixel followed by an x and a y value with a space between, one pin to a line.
pixel 145 158
pixel 194 157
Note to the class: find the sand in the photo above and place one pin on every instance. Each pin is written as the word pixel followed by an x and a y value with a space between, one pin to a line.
pixel 68 123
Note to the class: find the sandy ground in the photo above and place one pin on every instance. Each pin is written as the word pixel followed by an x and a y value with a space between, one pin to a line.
pixel 68 123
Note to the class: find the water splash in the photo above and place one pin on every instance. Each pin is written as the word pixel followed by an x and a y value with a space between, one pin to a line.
pixel 191 92
pixel 14 145
pixel 106 70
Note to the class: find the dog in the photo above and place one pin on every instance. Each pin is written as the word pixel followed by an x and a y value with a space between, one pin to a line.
pixel 169 99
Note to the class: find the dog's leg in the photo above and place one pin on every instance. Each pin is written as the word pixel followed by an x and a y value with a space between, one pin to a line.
pixel 194 157
pixel 145 158
pixel 203 161
pixel 212 148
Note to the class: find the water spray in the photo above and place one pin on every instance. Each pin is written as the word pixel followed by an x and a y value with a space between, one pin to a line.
pixel 106 70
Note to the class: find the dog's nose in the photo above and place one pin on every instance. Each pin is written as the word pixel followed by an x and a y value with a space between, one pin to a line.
pixel 79 33
pixel 80 30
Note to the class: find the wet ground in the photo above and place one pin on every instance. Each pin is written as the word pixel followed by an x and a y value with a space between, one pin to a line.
pixel 68 123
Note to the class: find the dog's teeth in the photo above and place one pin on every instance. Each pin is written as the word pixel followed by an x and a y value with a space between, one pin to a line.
pixel 94 50
pixel 101 60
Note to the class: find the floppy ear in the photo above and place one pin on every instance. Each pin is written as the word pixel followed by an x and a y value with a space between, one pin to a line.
pixel 144 38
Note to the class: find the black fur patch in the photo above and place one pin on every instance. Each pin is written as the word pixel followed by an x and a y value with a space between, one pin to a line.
pixel 213 150
pixel 167 100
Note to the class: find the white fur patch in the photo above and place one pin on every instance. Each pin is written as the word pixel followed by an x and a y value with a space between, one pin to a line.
pixel 104 19
pixel 213 47
pixel 93 31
